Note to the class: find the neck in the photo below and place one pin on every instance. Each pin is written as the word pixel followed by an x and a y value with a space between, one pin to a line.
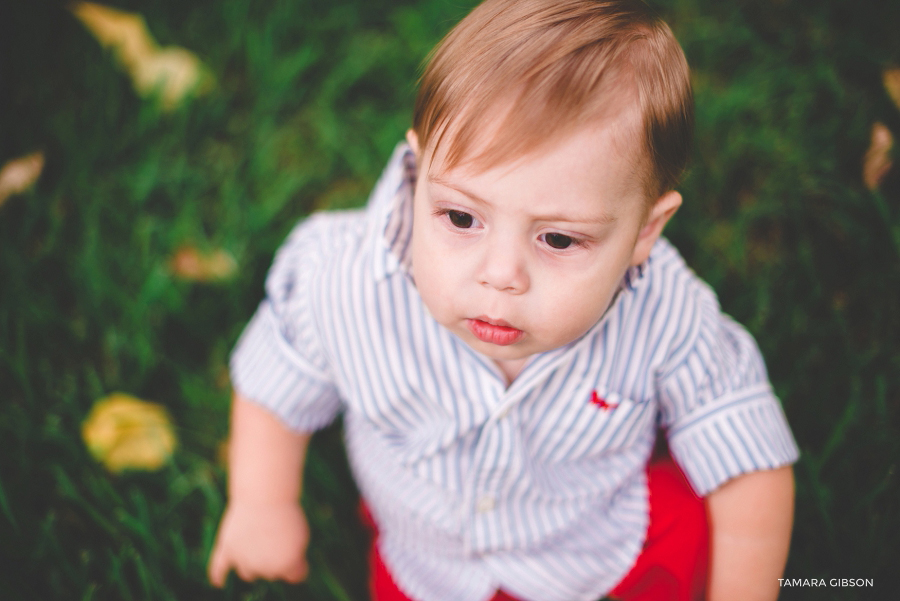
pixel 511 368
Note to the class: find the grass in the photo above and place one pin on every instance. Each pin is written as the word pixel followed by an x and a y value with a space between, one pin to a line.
pixel 310 98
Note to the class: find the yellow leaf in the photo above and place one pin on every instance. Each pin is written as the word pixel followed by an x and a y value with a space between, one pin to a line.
pixel 877 161
pixel 190 263
pixel 124 33
pixel 171 72
pixel 18 175
pixel 124 432
pixel 891 78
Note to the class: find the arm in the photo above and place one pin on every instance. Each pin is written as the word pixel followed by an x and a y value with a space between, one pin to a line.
pixel 750 520
pixel 263 533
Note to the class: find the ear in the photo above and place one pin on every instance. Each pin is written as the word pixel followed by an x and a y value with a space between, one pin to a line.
pixel 413 141
pixel 660 213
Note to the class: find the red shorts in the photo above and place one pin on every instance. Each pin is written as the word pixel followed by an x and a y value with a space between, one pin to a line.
pixel 671 567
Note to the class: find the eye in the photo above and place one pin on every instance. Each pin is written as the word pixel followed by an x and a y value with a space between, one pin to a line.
pixel 559 241
pixel 460 219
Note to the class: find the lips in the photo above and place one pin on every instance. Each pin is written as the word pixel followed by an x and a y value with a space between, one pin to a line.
pixel 494 331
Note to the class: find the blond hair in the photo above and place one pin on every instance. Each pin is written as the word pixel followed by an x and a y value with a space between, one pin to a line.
pixel 560 64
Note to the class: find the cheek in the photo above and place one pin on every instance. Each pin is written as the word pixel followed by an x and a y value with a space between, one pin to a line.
pixel 576 313
pixel 433 273
pixel 579 302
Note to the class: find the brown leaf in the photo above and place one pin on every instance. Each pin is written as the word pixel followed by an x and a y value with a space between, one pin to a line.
pixel 18 175
pixel 877 161
pixel 222 453
pixel 124 33
pixel 190 263
pixel 172 73
pixel 891 79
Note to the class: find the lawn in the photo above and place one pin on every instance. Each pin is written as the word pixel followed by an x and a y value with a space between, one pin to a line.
pixel 302 103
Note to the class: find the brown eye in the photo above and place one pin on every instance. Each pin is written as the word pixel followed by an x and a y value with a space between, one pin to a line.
pixel 558 241
pixel 460 219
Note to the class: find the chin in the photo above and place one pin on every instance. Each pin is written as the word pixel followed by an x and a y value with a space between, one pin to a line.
pixel 499 353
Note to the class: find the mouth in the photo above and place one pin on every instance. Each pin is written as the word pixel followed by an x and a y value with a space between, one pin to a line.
pixel 494 331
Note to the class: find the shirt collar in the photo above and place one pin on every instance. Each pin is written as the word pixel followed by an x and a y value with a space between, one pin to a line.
pixel 391 209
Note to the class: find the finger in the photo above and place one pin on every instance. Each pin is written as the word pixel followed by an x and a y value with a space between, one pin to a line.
pixel 218 568
pixel 244 574
pixel 297 573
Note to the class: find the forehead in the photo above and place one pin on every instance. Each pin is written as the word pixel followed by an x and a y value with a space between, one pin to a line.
pixel 592 168
pixel 607 145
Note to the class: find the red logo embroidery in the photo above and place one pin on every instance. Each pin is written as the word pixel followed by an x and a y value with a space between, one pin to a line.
pixel 596 400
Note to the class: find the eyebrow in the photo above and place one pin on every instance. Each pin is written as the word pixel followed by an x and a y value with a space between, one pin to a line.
pixel 601 219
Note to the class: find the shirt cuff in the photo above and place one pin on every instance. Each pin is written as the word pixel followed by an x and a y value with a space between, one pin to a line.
pixel 265 369
pixel 742 432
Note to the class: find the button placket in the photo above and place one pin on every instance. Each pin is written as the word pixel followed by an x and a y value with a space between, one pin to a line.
pixel 497 461
pixel 484 489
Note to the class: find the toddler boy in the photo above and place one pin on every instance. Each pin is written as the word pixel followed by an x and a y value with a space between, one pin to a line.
pixel 506 331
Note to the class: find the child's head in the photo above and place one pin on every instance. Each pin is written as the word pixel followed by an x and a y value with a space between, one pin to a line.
pixel 549 135
pixel 532 71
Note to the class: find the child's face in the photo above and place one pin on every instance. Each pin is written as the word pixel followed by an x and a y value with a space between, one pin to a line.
pixel 527 256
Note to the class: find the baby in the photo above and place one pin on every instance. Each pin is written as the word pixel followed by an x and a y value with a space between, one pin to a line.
pixel 506 332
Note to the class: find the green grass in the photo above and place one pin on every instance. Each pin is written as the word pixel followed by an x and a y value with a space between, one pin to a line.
pixel 310 98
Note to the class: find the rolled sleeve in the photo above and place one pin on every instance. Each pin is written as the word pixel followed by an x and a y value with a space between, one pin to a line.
pixel 722 417
pixel 278 362
pixel 267 370
pixel 739 434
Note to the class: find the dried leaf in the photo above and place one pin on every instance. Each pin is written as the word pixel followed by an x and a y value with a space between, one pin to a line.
pixel 891 78
pixel 222 454
pixel 190 263
pixel 877 161
pixel 222 378
pixel 124 432
pixel 124 33
pixel 343 194
pixel 18 175
pixel 171 72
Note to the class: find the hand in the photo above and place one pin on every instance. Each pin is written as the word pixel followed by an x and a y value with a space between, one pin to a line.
pixel 260 541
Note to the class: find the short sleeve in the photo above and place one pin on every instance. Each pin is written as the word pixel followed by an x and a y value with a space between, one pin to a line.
pixel 722 417
pixel 277 361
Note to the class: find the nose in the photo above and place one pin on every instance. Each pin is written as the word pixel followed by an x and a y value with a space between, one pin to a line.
pixel 504 267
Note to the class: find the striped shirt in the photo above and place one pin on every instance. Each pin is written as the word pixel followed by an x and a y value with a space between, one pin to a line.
pixel 538 487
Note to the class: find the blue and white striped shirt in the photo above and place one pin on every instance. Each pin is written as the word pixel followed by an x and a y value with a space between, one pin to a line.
pixel 537 488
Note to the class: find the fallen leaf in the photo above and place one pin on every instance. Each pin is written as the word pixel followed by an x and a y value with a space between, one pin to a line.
pixel 190 263
pixel 877 161
pixel 124 432
pixel 222 379
pixel 172 72
pixel 18 175
pixel 891 78
pixel 222 454
pixel 123 32
pixel 343 194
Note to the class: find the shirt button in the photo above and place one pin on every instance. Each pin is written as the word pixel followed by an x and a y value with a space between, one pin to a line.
pixel 486 504
pixel 503 413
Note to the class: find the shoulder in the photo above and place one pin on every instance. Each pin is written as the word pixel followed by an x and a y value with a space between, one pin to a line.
pixel 670 304
pixel 669 276
pixel 325 233
pixel 314 247
pixel 692 328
